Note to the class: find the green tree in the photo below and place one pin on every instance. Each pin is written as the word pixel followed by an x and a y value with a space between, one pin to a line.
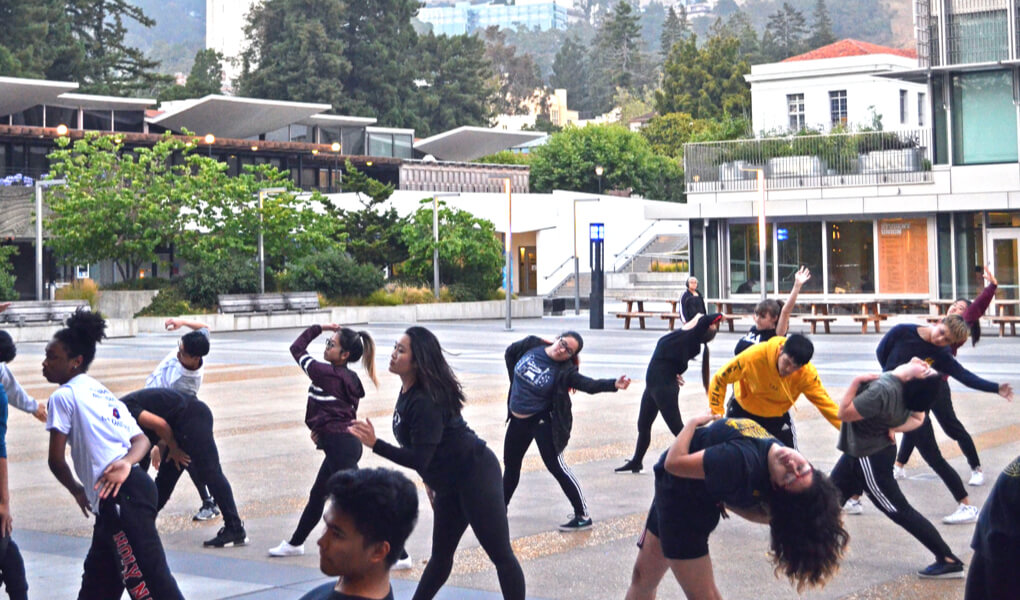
pixel 668 133
pixel 706 82
pixel 206 78
pixel 34 35
pixel 470 254
pixel 785 33
pixel 739 26
pixel 821 29
pixel 515 76
pixel 7 278
pixel 674 29
pixel 570 72
pixel 456 88
pixel 568 161
pixel 617 56
pixel 374 233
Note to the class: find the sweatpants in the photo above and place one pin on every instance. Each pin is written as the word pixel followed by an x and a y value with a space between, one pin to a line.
pixel 343 451
pixel 875 474
pixel 924 439
pixel 12 569
pixel 476 502
pixel 656 400
pixel 126 551
pixel 519 434
pixel 942 409
pixel 195 437
pixel 781 428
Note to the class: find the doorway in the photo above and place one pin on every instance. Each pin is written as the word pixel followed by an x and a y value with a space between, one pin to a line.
pixel 1003 246
pixel 526 268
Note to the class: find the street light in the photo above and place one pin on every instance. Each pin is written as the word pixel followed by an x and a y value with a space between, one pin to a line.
pixel 210 139
pixel 335 147
pixel 435 237
pixel 577 275
pixel 61 130
pixel 762 240
pixel 509 246
pixel 264 193
pixel 599 171
pixel 39 185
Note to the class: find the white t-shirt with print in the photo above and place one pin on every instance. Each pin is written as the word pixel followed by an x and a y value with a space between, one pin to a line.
pixel 98 427
pixel 172 374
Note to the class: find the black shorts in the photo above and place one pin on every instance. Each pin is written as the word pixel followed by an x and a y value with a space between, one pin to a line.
pixel 682 516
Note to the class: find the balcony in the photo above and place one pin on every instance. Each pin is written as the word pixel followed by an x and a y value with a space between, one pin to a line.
pixel 810 161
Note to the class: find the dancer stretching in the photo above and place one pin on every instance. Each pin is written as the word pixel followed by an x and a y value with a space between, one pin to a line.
pixel 333 397
pixel 12 565
pixel 772 317
pixel 734 464
pixel 538 408
pixel 463 473
pixel 663 380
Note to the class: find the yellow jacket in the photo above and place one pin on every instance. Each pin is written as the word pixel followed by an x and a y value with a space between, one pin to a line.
pixel 761 391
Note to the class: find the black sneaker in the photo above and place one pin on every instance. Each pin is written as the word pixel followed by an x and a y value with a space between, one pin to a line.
pixel 208 512
pixel 227 537
pixel 942 570
pixel 630 467
pixel 576 524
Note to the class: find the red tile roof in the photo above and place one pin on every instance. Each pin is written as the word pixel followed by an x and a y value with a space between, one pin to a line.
pixel 850 47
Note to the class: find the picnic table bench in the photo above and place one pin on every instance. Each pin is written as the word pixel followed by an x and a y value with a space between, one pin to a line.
pixel 641 314
pixel 40 311
pixel 268 303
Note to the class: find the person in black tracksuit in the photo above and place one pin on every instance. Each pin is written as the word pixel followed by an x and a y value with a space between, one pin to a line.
pixel 333 397
pixel 454 463
pixel 541 375
pixel 185 425
pixel 691 301
pixel 663 380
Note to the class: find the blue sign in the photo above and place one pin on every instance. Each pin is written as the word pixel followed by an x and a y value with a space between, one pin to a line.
pixel 782 234
pixel 597 232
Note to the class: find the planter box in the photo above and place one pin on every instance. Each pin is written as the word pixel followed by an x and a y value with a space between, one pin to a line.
pixel 796 166
pixel 906 160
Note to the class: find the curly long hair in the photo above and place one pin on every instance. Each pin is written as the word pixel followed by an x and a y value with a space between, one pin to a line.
pixel 433 372
pixel 807 535
pixel 83 330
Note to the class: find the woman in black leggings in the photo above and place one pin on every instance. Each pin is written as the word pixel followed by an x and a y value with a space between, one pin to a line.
pixel 538 408
pixel 455 464
pixel 664 378
pixel 333 397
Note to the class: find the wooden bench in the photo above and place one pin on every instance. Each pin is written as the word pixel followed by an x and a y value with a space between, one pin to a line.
pixel 934 319
pixel 1003 320
pixel 640 316
pixel 870 318
pixel 236 303
pixel 814 320
pixel 268 303
pixel 302 301
pixel 672 318
pixel 44 311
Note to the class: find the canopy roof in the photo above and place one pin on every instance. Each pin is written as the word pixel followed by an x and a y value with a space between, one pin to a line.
pixel 468 143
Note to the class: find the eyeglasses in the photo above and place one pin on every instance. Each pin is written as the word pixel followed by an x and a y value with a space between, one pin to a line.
pixel 562 343
pixel 330 344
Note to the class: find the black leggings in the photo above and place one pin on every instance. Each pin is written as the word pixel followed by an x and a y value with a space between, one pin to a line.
pixel 475 502
pixel 343 451
pixel 657 399
pixel 924 438
pixel 875 474
pixel 519 434
pixel 12 569
pixel 942 409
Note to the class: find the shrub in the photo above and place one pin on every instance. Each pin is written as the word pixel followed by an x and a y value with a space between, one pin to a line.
pixel 144 283
pixel 669 267
pixel 333 274
pixel 167 302
pixel 7 291
pixel 200 286
pixel 80 289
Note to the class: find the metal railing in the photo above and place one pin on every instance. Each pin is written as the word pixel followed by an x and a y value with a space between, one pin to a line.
pixel 799 161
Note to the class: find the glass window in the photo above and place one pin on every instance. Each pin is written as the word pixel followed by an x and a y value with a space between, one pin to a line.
pixel 939 120
pixel 976 35
pixel 1003 219
pixel 402 146
pixel 795 110
pixel 745 276
pixel 3 159
pixel 328 135
pixel 903 256
pixel 380 144
pixel 945 254
pixel 17 161
pixel 837 108
pixel 37 163
pixel 920 109
pixel 851 257
pixel 799 244
pixel 984 118
pixel 128 120
pixel 300 133
pixel 970 254
pixel 58 115
pixel 278 135
pixel 903 106
pixel 353 140
pixel 97 120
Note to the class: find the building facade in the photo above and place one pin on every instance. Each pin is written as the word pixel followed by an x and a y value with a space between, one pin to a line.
pixel 459 17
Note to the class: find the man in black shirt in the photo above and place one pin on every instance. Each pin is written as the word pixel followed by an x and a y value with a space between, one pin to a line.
pixel 370 516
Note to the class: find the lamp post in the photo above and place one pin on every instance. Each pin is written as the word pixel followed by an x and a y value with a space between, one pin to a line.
pixel 762 240
pixel 577 275
pixel 599 171
pixel 508 287
pixel 264 193
pixel 435 237
pixel 336 147
pixel 39 185
pixel 210 139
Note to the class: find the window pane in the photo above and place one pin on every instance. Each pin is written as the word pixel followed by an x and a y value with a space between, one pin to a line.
pixel 984 118
pixel 837 108
pixel 380 144
pixel 795 109
pixel 745 276
pixel 799 244
pixel 128 120
pixel 970 254
pixel 903 256
pixel 402 146
pixel 920 109
pixel 851 257
pixel 978 36
pixel 300 133
pixel 278 135
pixel 941 124
pixel 58 115
pixel 903 106
pixel 945 255
pixel 353 140
pixel 97 120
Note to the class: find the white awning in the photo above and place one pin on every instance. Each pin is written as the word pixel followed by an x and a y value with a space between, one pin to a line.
pixel 17 94
pixel 468 143
pixel 91 101
pixel 233 117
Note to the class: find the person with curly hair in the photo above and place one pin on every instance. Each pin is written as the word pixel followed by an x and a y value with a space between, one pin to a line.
pixel 735 464
pixel 872 410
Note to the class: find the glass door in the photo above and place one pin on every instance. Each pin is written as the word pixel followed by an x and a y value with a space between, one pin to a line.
pixel 1003 246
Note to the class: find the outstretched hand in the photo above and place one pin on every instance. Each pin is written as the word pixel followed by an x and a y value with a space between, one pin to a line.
pixel 801 277
pixel 623 382
pixel 364 431
pixel 989 276
pixel 1006 391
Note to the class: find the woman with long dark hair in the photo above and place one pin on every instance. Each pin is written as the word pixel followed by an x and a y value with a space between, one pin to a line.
pixel 454 463
pixel 734 464
pixel 333 396
pixel 106 446
pixel 664 377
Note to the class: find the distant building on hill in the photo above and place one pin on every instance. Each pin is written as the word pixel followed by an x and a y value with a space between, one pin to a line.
pixel 458 17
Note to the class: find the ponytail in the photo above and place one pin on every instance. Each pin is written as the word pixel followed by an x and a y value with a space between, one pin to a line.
pixel 368 358
pixel 706 375
pixel 359 345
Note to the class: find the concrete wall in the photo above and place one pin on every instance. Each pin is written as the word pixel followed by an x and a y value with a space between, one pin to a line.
pixel 124 304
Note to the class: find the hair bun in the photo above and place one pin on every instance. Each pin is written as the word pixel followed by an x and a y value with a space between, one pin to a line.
pixel 87 325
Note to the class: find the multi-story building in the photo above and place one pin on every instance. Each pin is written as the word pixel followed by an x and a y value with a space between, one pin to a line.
pixel 458 17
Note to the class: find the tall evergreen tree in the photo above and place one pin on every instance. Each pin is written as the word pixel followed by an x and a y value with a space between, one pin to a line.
pixel 821 30
pixel 785 33
pixel 515 76
pixel 674 29
pixel 706 82
pixel 739 26
pixel 455 85
pixel 33 35
pixel 205 77
pixel 618 45
pixel 570 72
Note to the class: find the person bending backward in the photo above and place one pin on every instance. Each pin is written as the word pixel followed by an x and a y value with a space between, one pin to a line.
pixel 333 396
pixel 734 464
pixel 538 408
pixel 463 473
pixel 183 371
pixel 932 345
pixel 664 377
pixel 873 409
pixel 942 408
pixel 106 446
pixel 691 301
pixel 184 425
pixel 996 542
pixel 12 566
pixel 767 379
pixel 370 515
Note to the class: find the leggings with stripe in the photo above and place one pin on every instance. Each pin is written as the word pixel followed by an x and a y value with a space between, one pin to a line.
pixel 875 474
pixel 519 434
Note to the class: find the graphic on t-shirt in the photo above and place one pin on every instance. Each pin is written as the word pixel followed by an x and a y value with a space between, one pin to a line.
pixel 749 428
pixel 532 373
pixel 1013 469
pixel 396 419
pixel 116 413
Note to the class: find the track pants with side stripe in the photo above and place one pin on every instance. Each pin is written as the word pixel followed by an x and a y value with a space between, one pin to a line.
pixel 519 434
pixel 875 474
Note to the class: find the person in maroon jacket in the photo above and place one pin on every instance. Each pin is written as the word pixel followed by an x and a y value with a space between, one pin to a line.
pixel 942 409
pixel 333 397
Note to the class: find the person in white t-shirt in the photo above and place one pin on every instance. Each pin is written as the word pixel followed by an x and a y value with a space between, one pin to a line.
pixel 16 395
pixel 106 445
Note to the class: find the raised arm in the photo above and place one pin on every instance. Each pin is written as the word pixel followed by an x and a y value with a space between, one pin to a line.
pixel 175 324
pixel 17 396
pixel 594 386
pixel 949 365
pixel 679 461
pixel 783 324
pixel 976 309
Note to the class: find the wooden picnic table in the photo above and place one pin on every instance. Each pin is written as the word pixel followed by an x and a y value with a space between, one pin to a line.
pixel 641 314
pixel 939 306
pixel 1005 314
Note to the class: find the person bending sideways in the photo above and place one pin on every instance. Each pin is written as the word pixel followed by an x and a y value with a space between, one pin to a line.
pixel 734 464
pixel 873 409
pixel 369 518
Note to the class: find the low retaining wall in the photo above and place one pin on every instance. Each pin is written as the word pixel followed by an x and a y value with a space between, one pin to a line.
pixel 124 304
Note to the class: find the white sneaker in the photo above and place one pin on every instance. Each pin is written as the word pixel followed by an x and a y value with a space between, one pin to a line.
pixel 965 513
pixel 899 472
pixel 285 549
pixel 853 507
pixel 403 564
pixel 976 478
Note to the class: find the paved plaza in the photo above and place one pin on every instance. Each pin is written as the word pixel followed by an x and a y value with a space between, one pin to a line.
pixel 257 394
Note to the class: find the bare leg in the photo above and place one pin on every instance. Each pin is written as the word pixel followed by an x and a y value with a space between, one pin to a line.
pixel 695 577
pixel 649 568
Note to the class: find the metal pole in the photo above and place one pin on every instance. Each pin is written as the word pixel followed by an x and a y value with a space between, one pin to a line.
pixel 435 246
pixel 262 255
pixel 762 241
pixel 38 243
pixel 577 275
pixel 509 252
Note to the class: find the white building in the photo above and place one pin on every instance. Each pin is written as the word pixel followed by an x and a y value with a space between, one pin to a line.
pixel 224 32
pixel 838 84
